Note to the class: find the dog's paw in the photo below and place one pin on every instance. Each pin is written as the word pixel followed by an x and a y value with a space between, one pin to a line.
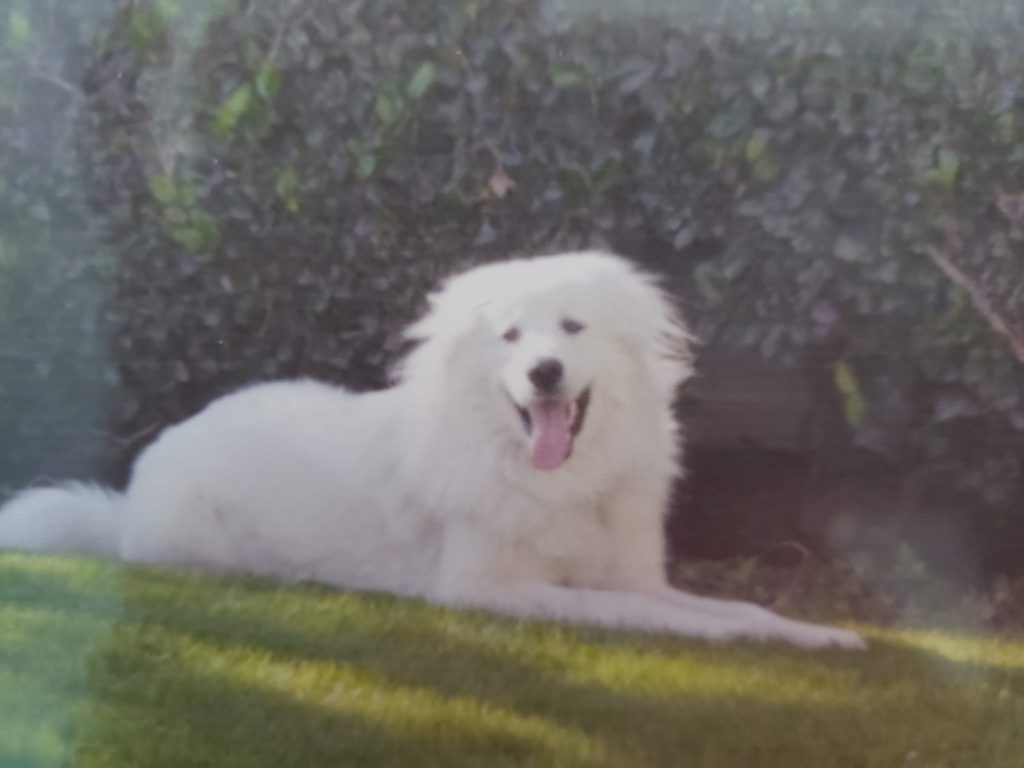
pixel 814 637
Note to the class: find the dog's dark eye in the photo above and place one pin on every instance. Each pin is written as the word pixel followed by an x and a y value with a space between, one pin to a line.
pixel 572 327
pixel 511 335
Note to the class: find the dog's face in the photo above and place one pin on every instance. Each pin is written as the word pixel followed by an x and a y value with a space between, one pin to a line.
pixel 546 349
pixel 553 344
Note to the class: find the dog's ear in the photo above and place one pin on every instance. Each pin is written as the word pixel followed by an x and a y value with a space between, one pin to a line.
pixel 653 326
pixel 448 314
pixel 452 314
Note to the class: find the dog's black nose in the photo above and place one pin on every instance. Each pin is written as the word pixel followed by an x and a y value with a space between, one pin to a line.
pixel 547 375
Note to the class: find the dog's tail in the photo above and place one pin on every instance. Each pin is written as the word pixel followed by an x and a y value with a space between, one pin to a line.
pixel 67 518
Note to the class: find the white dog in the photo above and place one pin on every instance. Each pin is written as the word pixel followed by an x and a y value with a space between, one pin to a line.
pixel 522 464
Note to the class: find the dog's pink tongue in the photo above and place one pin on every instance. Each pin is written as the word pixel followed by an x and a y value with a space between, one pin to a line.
pixel 550 434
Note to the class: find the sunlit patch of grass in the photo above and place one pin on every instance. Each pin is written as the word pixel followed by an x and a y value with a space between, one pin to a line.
pixel 402 709
pixel 105 665
pixel 1000 652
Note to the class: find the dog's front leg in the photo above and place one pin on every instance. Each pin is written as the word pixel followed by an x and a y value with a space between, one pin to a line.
pixel 615 610
pixel 638 565
pixel 762 622
pixel 478 571
pixel 632 571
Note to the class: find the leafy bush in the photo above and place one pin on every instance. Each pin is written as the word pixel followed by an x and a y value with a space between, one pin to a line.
pixel 232 191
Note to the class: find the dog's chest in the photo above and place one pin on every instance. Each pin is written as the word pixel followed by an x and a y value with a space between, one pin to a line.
pixel 575 550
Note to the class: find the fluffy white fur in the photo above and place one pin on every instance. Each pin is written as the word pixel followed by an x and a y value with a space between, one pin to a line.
pixel 433 488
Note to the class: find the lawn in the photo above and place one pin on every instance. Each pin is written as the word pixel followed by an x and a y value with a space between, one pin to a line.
pixel 106 665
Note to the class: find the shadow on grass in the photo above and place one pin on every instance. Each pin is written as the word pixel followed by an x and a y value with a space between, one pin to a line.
pixel 193 671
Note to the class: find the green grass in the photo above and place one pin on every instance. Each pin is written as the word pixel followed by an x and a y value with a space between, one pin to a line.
pixel 106 665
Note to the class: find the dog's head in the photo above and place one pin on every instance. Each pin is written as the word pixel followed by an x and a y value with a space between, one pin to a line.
pixel 552 341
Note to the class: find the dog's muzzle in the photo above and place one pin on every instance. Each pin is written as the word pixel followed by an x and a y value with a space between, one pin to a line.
pixel 552 425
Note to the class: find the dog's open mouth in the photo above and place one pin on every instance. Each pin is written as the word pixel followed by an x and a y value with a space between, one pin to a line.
pixel 552 424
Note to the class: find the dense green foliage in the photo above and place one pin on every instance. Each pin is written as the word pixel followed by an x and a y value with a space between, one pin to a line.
pixel 225 191
pixel 103 665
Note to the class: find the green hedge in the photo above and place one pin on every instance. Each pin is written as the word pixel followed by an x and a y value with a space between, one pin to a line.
pixel 226 191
